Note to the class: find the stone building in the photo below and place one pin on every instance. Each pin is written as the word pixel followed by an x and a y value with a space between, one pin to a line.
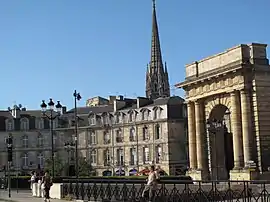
pixel 130 134
pixel 233 84
pixel 31 138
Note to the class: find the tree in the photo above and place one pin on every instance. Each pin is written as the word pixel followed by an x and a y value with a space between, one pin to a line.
pixel 85 168
pixel 58 166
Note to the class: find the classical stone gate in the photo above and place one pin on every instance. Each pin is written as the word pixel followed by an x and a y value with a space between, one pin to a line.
pixel 233 84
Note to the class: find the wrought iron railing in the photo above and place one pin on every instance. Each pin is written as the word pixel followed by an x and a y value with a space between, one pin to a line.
pixel 167 190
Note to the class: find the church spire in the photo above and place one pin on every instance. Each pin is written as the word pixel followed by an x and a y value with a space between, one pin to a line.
pixel 157 84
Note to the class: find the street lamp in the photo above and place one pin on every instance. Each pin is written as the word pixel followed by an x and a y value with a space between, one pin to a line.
pixel 213 127
pixel 9 143
pixel 51 117
pixel 77 97
pixel 69 146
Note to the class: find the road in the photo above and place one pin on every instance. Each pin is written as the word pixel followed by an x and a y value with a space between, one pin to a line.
pixel 23 196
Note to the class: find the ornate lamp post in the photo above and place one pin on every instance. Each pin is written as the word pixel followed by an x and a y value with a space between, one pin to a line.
pixel 77 97
pixel 9 143
pixel 213 127
pixel 51 118
pixel 69 146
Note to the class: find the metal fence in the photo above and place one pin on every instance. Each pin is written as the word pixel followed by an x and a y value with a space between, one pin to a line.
pixel 171 191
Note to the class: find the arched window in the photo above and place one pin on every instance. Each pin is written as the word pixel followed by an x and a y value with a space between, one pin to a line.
pixel 24 124
pixel 119 136
pixel 158 153
pixel 9 125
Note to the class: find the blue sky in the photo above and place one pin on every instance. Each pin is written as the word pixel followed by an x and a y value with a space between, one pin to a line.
pixel 101 47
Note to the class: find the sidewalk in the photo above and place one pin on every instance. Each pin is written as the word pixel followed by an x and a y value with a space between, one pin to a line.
pixel 23 196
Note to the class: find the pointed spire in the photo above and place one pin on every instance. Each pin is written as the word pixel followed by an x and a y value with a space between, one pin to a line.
pixel 156 57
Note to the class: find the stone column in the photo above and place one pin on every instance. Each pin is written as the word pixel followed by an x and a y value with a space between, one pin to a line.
pixel 191 136
pixel 236 130
pixel 199 134
pixel 246 124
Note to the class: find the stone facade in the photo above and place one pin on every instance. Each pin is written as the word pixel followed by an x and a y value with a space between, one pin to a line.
pixel 235 82
pixel 31 138
pixel 132 134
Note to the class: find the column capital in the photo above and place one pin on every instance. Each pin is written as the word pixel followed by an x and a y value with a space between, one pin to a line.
pixel 244 91
pixel 234 92
pixel 198 102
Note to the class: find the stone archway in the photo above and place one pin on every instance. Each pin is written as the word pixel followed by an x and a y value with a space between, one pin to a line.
pixel 238 78
pixel 219 143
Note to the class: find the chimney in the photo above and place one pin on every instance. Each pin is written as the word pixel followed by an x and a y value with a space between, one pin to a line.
pixel 118 104
pixel 120 97
pixel 64 110
pixel 23 109
pixel 16 111
pixel 112 99
pixel 142 101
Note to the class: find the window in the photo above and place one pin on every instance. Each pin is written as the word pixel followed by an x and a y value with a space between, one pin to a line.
pixel 158 153
pixel 93 157
pixel 25 141
pixel 39 123
pixel 92 138
pixel 117 118
pixel 9 125
pixel 119 136
pixel 40 140
pixel 53 124
pixel 145 114
pixel 145 133
pixel 133 156
pixel 155 114
pixel 40 159
pixel 146 155
pixel 92 120
pixel 105 119
pixel 107 157
pixel 157 127
pixel 130 117
pixel 132 135
pixel 25 160
pixel 24 124
pixel 120 157
pixel 107 138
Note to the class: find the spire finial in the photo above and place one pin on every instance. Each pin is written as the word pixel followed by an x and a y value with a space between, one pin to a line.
pixel 154 3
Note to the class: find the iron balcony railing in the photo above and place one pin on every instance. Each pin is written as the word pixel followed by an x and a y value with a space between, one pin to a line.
pixel 167 190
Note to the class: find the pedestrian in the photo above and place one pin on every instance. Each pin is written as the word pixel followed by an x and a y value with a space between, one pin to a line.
pixel 151 184
pixel 47 183
pixel 33 180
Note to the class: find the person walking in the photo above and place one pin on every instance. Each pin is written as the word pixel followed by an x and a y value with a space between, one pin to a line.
pixel 151 184
pixel 47 183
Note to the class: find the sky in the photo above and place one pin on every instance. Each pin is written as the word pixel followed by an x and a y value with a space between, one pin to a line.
pixel 101 47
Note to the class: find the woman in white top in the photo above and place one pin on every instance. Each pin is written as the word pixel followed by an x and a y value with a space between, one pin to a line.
pixel 151 183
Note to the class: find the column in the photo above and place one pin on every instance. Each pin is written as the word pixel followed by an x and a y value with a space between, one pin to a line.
pixel 246 124
pixel 236 130
pixel 199 134
pixel 191 136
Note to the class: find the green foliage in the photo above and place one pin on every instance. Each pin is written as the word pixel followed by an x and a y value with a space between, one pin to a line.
pixel 85 168
pixel 58 166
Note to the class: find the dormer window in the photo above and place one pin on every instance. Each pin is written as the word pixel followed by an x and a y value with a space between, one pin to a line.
pixel 9 124
pixel 130 119
pixel 24 124
pixel 145 114
pixel 92 119
pixel 156 111
pixel 105 119
pixel 39 123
